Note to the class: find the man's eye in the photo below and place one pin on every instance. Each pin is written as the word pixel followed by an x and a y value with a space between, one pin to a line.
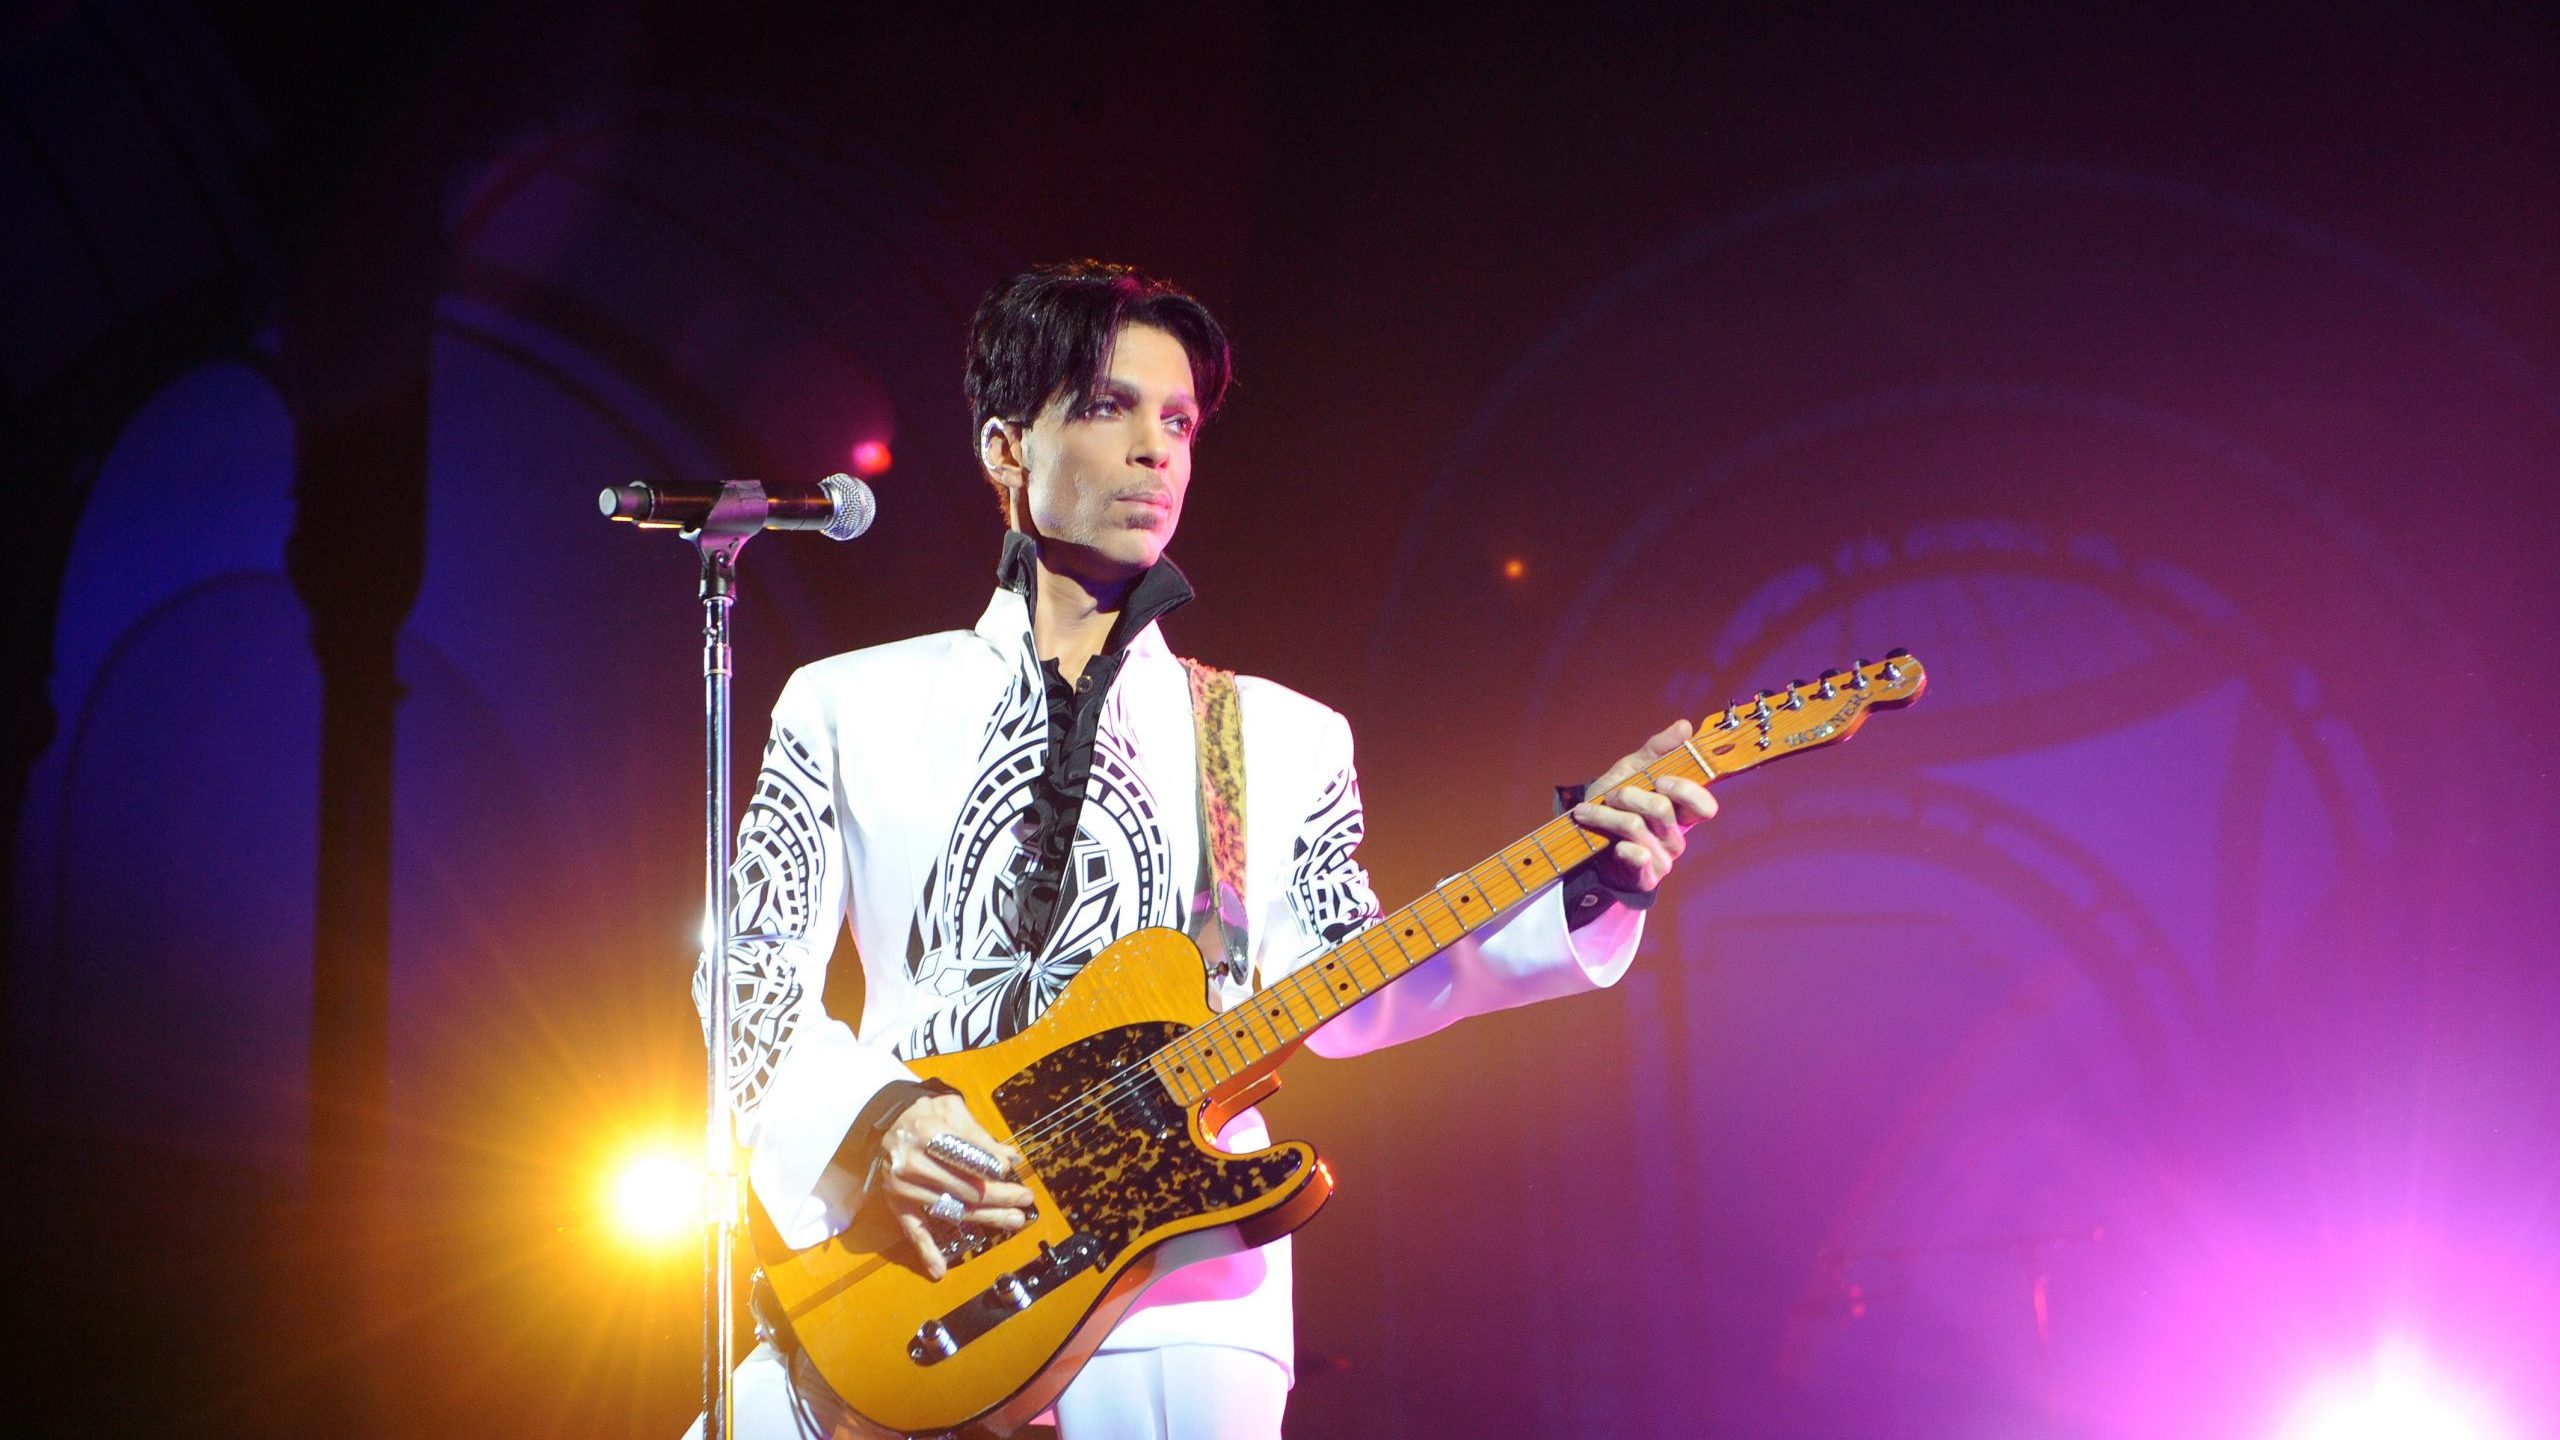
pixel 1102 405
pixel 1182 425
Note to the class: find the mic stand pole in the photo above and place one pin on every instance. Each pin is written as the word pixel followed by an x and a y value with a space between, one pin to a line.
pixel 733 520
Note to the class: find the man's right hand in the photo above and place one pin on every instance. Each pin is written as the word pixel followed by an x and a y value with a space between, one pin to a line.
pixel 912 1178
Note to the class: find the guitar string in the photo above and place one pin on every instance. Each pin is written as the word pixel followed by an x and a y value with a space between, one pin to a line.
pixel 1115 1096
pixel 1038 1139
pixel 1107 1099
pixel 1125 1085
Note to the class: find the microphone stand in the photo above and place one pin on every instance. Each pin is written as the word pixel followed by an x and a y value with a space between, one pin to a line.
pixel 733 520
pixel 841 508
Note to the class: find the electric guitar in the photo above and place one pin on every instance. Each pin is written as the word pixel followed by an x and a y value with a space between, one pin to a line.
pixel 1112 1096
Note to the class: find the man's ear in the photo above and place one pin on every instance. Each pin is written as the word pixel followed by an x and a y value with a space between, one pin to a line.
pixel 1000 452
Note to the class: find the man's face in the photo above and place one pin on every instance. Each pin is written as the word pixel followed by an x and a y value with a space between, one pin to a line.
pixel 1105 481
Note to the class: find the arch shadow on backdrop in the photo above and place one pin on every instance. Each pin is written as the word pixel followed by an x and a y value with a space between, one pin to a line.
pixel 165 863
pixel 671 289
pixel 2079 1032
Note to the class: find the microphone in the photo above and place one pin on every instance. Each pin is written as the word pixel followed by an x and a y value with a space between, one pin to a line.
pixel 838 507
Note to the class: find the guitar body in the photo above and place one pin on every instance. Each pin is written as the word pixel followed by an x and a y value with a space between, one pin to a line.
pixel 1129 1184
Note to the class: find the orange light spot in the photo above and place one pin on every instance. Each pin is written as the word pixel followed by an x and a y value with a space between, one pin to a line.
pixel 655 1195
pixel 1515 568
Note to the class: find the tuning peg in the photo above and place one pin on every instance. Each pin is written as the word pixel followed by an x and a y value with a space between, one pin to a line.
pixel 1857 674
pixel 1795 695
pixel 1828 689
pixel 1760 706
pixel 1893 672
pixel 1730 721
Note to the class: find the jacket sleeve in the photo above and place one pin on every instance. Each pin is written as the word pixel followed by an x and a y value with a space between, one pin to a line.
pixel 797 1076
pixel 1527 953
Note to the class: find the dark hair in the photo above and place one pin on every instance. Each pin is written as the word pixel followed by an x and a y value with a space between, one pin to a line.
pixel 1050 329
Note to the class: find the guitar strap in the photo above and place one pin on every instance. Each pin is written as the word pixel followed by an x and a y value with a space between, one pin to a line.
pixel 1218 724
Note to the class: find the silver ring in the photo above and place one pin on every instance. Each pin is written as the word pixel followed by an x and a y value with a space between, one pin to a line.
pixel 952 1150
pixel 947 1209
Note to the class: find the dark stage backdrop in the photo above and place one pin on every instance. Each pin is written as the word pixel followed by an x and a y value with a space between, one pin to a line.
pixel 2148 1030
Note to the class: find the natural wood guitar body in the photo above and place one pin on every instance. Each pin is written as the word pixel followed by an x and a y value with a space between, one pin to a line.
pixel 1121 1167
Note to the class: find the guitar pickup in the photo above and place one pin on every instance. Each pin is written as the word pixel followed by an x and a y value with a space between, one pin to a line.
pixel 1009 1295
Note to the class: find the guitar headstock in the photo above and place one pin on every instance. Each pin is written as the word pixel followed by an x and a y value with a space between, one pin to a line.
pixel 1807 714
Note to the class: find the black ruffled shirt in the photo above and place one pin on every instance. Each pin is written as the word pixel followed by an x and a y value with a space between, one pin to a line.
pixel 1075 713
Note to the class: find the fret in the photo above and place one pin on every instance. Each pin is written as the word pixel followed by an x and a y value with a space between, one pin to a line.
pixel 1299 997
pixel 1406 929
pixel 1493 889
pixel 1576 840
pixel 1389 956
pixel 1233 1047
pixel 1499 886
pixel 1209 1062
pixel 1445 929
pixel 1528 864
pixel 1557 865
pixel 1466 904
pixel 1686 763
pixel 1317 983
pixel 1356 949
pixel 1338 989
pixel 1391 951
pixel 1271 1011
pixel 1405 936
pixel 1245 1026
pixel 1180 1073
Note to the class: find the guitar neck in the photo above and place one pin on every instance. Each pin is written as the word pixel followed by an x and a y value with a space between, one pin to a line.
pixel 1253 1036
pixel 1278 1017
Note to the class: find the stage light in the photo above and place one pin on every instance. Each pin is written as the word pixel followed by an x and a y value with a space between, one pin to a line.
pixel 656 1196
pixel 1515 568
pixel 871 457
pixel 2401 1397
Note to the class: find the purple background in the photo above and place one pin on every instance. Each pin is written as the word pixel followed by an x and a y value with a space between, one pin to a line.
pixel 2180 390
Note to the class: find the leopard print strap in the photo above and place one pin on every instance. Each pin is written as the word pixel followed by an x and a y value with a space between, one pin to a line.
pixel 1218 720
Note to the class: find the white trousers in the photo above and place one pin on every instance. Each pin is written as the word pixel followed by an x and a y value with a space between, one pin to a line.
pixel 1177 1392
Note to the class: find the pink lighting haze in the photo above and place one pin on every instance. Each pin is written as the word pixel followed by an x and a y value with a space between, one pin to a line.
pixel 2402 1396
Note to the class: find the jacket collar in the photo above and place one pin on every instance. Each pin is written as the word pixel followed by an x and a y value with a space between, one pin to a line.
pixel 1007 621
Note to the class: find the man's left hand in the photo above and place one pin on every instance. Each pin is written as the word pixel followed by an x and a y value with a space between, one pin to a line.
pixel 1648 825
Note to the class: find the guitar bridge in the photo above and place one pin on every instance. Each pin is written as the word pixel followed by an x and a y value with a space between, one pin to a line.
pixel 938 1340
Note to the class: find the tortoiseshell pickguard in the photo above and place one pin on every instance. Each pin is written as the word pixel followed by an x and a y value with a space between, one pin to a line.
pixel 1118 1155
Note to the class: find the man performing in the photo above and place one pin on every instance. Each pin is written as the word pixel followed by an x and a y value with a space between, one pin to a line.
pixel 989 808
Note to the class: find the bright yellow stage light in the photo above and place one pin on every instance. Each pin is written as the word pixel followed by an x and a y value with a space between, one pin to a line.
pixel 656 1196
